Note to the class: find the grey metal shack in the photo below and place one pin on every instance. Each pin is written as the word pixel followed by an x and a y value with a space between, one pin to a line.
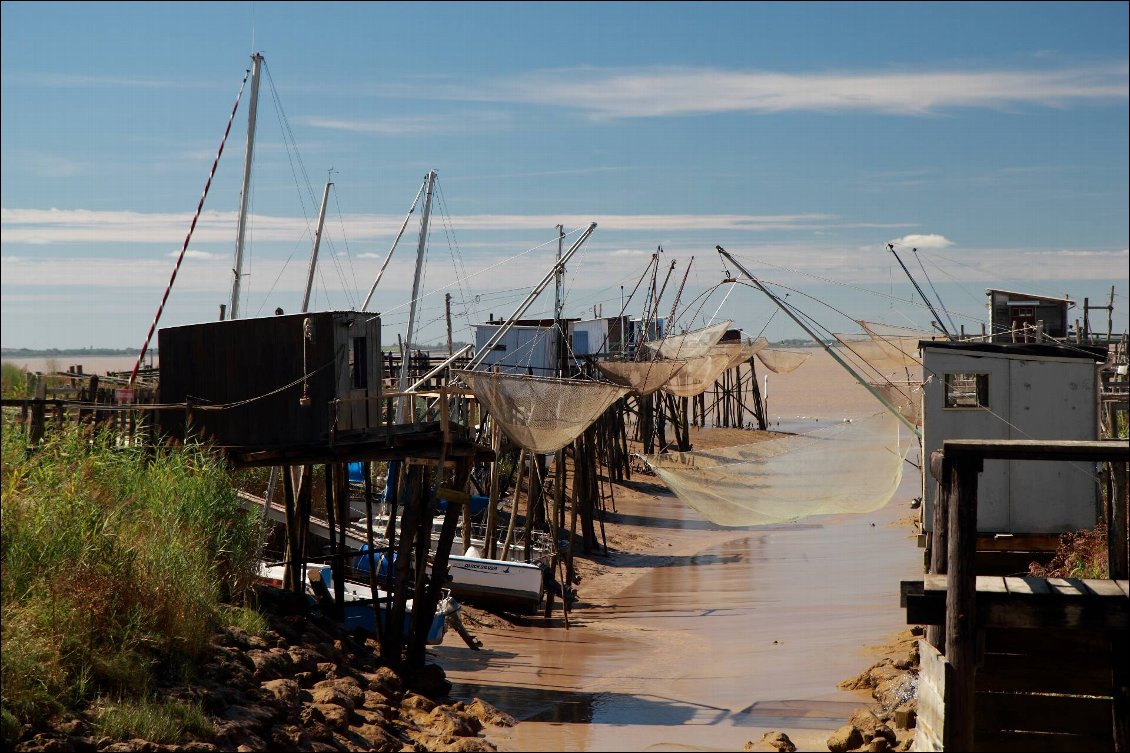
pixel 1016 391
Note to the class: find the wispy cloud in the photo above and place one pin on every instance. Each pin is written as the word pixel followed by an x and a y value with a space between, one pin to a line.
pixel 86 81
pixel 668 90
pixel 45 226
pixel 401 125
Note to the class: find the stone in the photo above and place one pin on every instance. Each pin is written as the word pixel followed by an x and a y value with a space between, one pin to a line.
pixel 488 714
pixel 348 686
pixel 772 741
pixel 844 739
pixel 333 697
pixel 285 692
pixel 878 744
pixel 445 720
pixel 417 702
pixel 305 659
pixel 386 681
pixel 335 716
pixel 271 664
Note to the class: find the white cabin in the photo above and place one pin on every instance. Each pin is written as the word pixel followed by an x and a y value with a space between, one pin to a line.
pixel 1015 391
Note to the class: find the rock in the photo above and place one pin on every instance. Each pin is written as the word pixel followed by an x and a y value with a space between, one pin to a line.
pixel 878 744
pixel 332 696
pixel 845 738
pixel 374 737
pixel 445 720
pixel 271 664
pixel 464 745
pixel 348 686
pixel 906 716
pixel 253 715
pixel 386 681
pixel 305 659
pixel 488 714
pixel 870 726
pixel 335 716
pixel 289 737
pixel 285 692
pixel 417 702
pixel 770 741
pixel 430 681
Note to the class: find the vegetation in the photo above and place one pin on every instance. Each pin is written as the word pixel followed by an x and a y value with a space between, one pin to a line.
pixel 14 380
pixel 116 564
pixel 1081 554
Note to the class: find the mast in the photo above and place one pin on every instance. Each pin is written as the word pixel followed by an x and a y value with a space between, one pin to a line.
pixel 529 300
pixel 388 256
pixel 314 255
pixel 402 404
pixel 938 320
pixel 245 194
pixel 835 356
pixel 558 303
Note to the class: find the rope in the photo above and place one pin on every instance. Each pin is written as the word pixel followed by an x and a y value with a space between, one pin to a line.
pixel 188 237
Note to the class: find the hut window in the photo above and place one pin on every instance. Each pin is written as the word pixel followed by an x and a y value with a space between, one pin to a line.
pixel 965 390
pixel 359 364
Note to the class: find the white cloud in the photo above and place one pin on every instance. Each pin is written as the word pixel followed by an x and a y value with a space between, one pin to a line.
pixel 931 240
pixel 666 90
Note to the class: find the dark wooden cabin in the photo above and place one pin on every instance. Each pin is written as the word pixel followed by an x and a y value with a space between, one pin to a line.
pixel 301 380
pixel 1013 316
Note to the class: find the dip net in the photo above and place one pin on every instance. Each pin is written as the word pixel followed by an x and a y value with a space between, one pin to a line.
pixel 849 467
pixel 905 396
pixel 782 361
pixel 641 377
pixel 899 343
pixel 539 413
pixel 699 373
pixel 689 344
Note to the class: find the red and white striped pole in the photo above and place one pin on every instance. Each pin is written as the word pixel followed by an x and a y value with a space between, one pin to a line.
pixel 187 238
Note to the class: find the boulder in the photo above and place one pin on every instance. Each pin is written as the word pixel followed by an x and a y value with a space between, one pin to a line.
pixel 772 741
pixel 844 739
pixel 488 714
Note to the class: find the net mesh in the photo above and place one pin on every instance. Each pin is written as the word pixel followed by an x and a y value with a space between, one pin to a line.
pixel 782 361
pixel 689 344
pixel 906 396
pixel 899 343
pixel 641 377
pixel 746 351
pixel 699 373
pixel 851 467
pixel 539 413
pixel 878 355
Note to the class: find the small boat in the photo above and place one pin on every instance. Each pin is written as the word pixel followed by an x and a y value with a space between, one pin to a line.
pixel 516 585
pixel 359 601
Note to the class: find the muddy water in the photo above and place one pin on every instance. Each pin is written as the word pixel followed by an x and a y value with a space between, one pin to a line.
pixel 749 634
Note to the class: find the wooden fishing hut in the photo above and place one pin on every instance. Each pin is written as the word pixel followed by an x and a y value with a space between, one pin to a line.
pixel 529 346
pixel 1012 661
pixel 1024 317
pixel 308 389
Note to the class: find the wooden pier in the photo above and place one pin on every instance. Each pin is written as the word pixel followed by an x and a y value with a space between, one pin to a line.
pixel 1020 663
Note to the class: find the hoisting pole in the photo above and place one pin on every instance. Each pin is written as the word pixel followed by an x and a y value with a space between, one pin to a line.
pixel 388 256
pixel 314 255
pixel 835 356
pixel 938 323
pixel 245 194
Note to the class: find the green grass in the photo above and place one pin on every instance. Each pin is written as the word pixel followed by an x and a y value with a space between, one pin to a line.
pixel 246 619
pixel 148 719
pixel 13 380
pixel 115 566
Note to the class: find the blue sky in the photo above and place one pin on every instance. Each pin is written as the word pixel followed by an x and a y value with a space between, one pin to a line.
pixel 802 137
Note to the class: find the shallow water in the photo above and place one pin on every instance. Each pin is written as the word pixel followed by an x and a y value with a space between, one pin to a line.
pixel 749 635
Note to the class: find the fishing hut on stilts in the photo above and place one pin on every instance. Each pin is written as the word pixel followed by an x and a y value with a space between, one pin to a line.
pixel 308 389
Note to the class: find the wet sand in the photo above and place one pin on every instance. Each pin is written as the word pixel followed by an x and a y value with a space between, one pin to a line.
pixel 695 637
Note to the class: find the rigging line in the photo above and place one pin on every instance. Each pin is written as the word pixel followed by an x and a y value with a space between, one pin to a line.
pixel 934 290
pixel 277 278
pixel 188 237
pixel 348 289
pixel 458 262
pixel 487 269
pixel 720 305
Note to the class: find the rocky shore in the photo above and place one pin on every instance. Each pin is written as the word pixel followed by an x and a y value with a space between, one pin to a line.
pixel 303 684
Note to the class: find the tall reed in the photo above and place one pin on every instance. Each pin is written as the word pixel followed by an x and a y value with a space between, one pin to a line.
pixel 115 564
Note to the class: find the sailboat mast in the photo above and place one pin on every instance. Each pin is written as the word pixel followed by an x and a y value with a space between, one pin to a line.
pixel 835 356
pixel 388 256
pixel 420 249
pixel 558 302
pixel 314 255
pixel 245 195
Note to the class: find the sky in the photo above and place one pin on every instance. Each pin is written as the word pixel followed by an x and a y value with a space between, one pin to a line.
pixel 986 142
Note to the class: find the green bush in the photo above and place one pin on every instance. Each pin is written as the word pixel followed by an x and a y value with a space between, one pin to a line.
pixel 115 565
pixel 13 380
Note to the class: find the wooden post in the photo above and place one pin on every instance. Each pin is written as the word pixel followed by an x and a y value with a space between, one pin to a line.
pixel 514 499
pixel 335 562
pixel 38 410
pixel 372 554
pixel 936 634
pixel 489 544
pixel 961 600
pixel 410 493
